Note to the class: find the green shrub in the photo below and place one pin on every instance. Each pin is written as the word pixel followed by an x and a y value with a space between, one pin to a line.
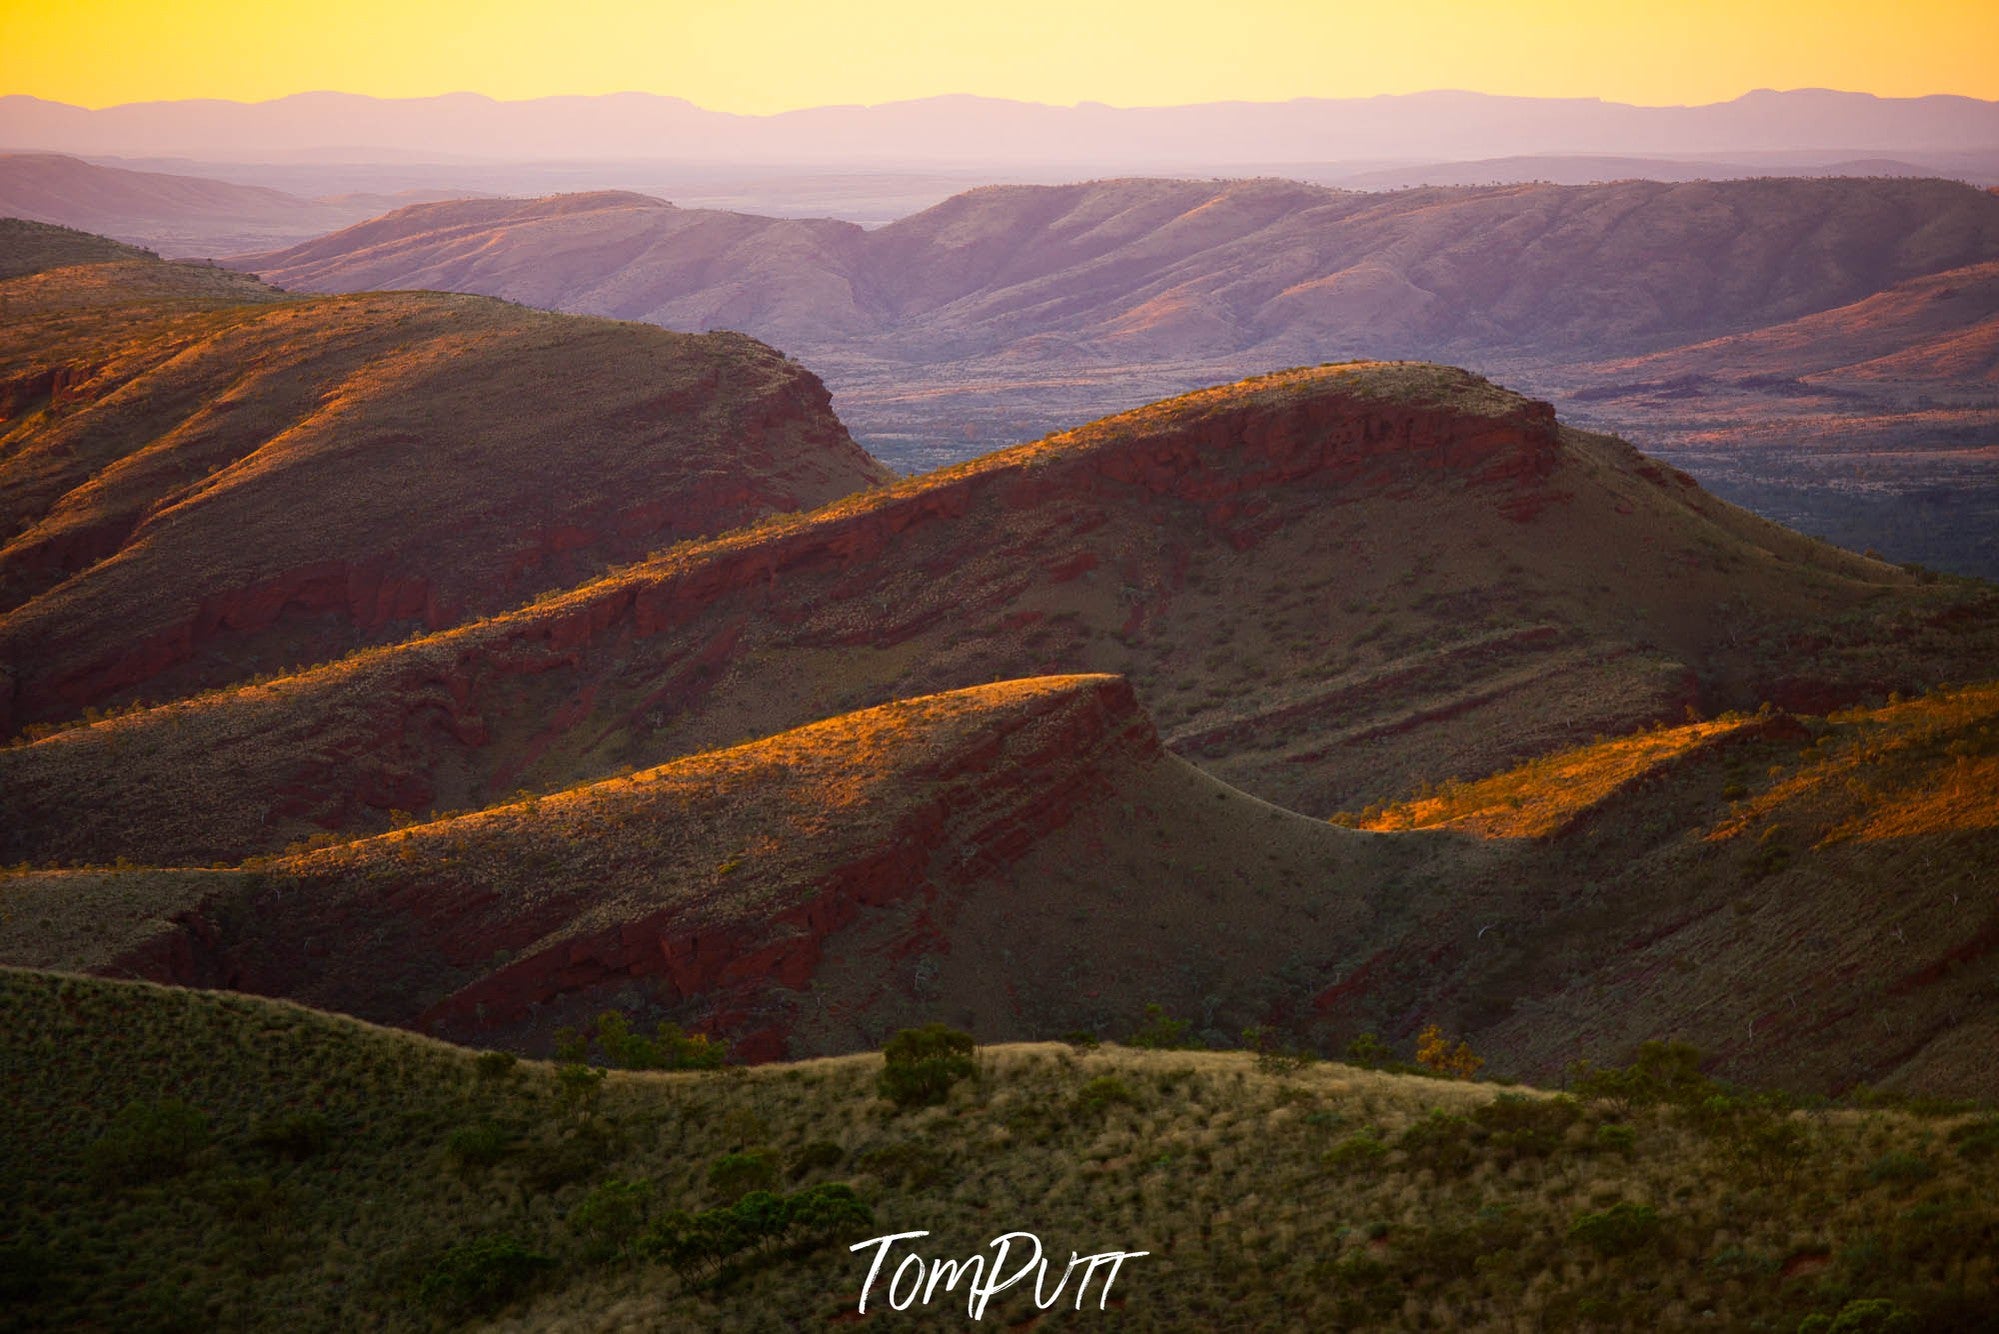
pixel 1661 1072
pixel 735 1175
pixel 706 1247
pixel 1902 1167
pixel 1977 1140
pixel 148 1141
pixel 1369 1051
pixel 828 1211
pixel 1272 1056
pixel 670 1048
pixel 906 1163
pixel 494 1067
pixel 1619 1230
pixel 1517 1126
pixel 579 1087
pixel 1772 1148
pixel 481 1145
pixel 1160 1031
pixel 1615 1137
pixel 1100 1094
pixel 1440 1142
pixel 1872 1315
pixel 481 1275
pixel 1356 1153
pixel 574 1157
pixel 919 1065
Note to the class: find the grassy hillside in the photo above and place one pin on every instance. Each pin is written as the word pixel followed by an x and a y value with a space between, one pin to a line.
pixel 188 1160
pixel 31 247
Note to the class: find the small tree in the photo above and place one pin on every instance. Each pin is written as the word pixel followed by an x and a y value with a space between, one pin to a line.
pixel 1438 1054
pixel 735 1175
pixel 1160 1031
pixel 611 1217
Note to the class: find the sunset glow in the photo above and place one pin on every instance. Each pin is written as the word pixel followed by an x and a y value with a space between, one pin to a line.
pixel 761 56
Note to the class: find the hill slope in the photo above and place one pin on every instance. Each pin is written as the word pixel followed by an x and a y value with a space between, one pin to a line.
pixel 1326 584
pixel 1184 270
pixel 1024 859
pixel 329 1175
pixel 177 215
pixel 857 860
pixel 204 479
pixel 1808 900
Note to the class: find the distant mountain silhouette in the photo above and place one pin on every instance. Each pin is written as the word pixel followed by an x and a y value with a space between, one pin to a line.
pixel 995 132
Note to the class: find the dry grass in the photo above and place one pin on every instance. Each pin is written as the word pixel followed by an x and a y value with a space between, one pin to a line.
pixel 1235 1180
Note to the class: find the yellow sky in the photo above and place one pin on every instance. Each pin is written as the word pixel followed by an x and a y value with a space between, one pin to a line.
pixel 771 55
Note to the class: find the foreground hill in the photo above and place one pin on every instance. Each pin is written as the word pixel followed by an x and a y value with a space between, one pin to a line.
pixel 1326 585
pixel 195 1160
pixel 205 479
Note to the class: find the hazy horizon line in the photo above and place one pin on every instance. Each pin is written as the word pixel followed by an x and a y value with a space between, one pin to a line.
pixel 1084 104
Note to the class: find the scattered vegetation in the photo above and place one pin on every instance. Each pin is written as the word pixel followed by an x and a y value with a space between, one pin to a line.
pixel 279 1166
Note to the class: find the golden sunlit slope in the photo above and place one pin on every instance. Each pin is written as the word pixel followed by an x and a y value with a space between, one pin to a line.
pixel 188 1159
pixel 204 480
pixel 1326 585
pixel 1811 900
pixel 1548 795
pixel 1023 857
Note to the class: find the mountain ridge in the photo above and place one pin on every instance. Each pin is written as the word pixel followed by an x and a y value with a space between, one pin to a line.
pixel 1105 549
pixel 364 458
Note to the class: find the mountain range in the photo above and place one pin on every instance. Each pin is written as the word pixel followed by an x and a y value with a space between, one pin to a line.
pixel 1435 126
pixel 1335 699
pixel 1008 312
